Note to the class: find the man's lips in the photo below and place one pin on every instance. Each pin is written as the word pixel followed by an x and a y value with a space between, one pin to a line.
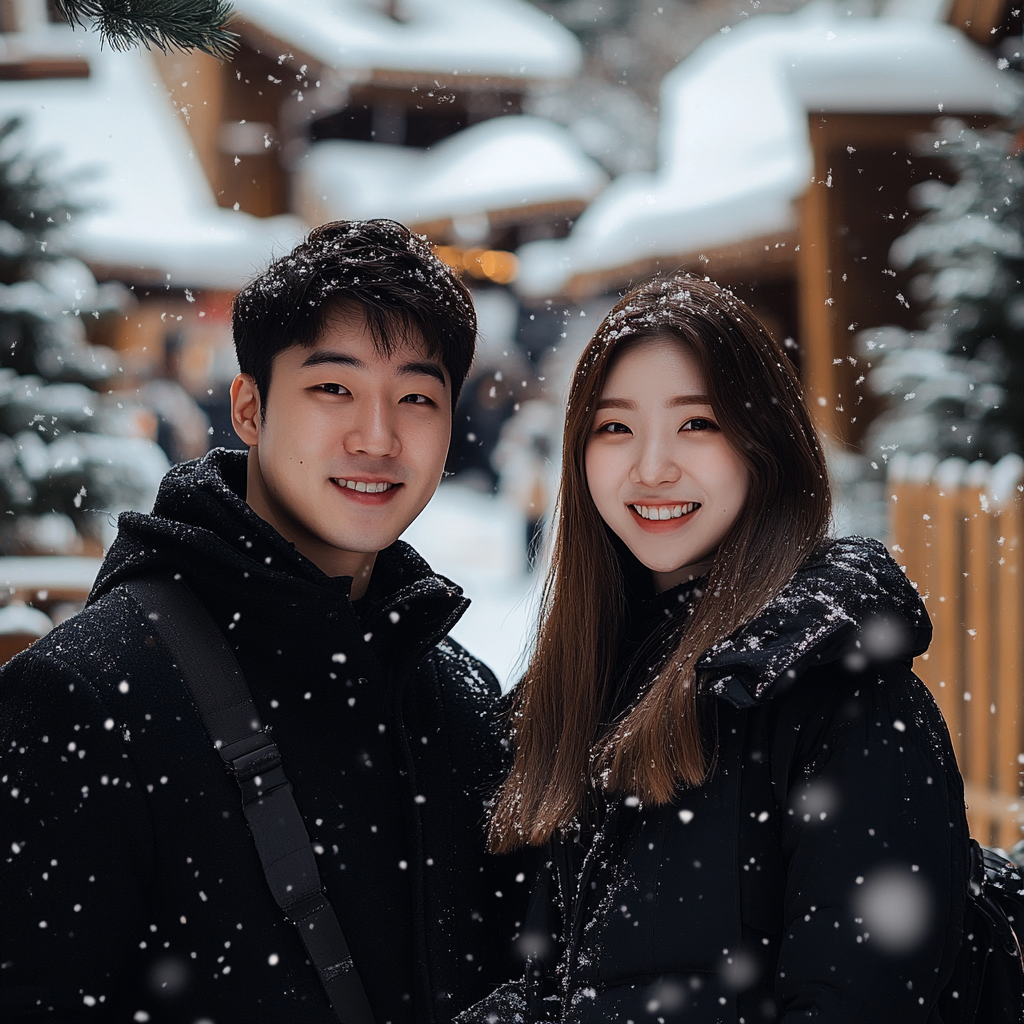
pixel 663 516
pixel 367 492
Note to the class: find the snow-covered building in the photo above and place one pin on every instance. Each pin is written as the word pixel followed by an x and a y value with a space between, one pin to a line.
pixel 365 108
pixel 192 172
pixel 501 172
pixel 786 151
pixel 195 191
pixel 103 120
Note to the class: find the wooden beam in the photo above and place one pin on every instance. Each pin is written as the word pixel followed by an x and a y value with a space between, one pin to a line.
pixel 32 68
pixel 195 84
pixel 855 206
pixel 979 20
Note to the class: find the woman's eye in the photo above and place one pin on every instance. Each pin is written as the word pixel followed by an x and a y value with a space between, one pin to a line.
pixel 417 400
pixel 613 428
pixel 334 389
pixel 698 423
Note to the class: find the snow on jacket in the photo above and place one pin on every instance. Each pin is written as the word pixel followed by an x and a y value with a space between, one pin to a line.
pixel 821 873
pixel 131 887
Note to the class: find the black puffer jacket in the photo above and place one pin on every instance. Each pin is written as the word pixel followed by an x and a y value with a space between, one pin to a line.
pixel 820 874
pixel 131 887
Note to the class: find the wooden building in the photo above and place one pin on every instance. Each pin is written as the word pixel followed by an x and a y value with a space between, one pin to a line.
pixel 787 150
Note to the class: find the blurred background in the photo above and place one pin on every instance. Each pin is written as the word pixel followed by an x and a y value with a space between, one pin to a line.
pixel 852 170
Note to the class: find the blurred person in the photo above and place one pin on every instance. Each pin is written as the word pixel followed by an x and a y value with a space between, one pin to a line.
pixel 748 803
pixel 132 888
pixel 522 460
pixel 183 429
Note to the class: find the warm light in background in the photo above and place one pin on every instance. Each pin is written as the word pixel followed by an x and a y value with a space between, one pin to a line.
pixel 485 264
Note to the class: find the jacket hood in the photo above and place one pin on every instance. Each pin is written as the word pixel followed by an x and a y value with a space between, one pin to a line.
pixel 202 528
pixel 851 604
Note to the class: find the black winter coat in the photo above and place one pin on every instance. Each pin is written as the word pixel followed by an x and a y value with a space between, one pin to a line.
pixel 132 889
pixel 821 873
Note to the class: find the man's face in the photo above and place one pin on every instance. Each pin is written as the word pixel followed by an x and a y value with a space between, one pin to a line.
pixel 352 447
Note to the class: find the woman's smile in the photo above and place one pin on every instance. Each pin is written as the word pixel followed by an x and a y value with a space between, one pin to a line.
pixel 662 518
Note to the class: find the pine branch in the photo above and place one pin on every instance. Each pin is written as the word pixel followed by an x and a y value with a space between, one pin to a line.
pixel 165 24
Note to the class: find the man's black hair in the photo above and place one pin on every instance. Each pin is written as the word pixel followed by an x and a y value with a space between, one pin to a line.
pixel 380 267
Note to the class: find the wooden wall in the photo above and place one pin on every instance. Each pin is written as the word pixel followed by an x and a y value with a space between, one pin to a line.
pixel 958 530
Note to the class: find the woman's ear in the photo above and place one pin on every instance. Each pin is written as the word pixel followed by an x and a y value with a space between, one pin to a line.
pixel 245 409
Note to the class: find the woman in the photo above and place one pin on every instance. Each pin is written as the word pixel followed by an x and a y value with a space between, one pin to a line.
pixel 749 804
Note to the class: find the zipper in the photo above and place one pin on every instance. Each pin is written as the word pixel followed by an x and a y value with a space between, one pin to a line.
pixel 394 699
pixel 579 893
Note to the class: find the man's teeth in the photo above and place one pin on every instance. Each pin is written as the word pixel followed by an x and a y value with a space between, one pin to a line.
pixel 361 485
pixel 666 511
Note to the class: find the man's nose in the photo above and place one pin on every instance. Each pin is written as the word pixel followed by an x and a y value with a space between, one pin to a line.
pixel 373 432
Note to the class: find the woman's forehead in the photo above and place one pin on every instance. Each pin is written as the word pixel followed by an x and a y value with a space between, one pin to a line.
pixel 654 362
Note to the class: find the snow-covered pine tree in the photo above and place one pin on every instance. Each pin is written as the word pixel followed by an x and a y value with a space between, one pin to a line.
pixel 954 387
pixel 67 451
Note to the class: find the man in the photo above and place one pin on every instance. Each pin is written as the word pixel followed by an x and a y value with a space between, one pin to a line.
pixel 132 887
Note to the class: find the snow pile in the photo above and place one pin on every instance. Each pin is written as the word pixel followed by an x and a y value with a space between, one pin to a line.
pixel 20 619
pixel 1001 485
pixel 128 159
pixel 478 541
pixel 506 163
pixel 734 150
pixel 507 38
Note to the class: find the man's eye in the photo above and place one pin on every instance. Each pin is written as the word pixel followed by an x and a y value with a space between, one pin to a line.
pixel 334 389
pixel 417 400
pixel 613 428
pixel 698 423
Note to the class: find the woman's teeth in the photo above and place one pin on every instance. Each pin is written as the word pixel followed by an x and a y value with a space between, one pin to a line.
pixel 666 511
pixel 361 485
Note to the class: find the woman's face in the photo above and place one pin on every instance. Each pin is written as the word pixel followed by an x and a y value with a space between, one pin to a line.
pixel 660 471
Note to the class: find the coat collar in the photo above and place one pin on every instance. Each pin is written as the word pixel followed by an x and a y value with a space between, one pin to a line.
pixel 202 528
pixel 852 604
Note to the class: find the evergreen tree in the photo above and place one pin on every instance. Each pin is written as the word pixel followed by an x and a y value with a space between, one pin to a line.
pixel 67 451
pixel 165 24
pixel 955 386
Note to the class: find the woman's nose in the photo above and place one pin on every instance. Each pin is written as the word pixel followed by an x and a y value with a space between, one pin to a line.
pixel 655 464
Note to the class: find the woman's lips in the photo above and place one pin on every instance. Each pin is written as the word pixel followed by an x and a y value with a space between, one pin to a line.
pixel 662 517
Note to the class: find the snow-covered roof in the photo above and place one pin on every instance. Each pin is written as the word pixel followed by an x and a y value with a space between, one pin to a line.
pixel 734 147
pixel 503 38
pixel 504 164
pixel 151 213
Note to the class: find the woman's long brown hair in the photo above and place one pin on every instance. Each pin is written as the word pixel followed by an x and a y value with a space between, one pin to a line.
pixel 562 749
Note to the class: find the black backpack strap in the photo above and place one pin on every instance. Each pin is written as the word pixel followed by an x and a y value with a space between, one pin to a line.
pixel 218 687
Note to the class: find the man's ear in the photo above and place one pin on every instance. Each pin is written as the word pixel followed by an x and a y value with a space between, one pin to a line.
pixel 245 409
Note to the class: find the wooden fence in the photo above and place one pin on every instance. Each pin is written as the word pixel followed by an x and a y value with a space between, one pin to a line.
pixel 958 529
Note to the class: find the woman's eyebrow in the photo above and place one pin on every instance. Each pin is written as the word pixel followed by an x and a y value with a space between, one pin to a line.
pixel 615 403
pixel 672 403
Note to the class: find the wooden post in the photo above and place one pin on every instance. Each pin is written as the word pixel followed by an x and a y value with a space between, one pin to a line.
pixel 1008 555
pixel 946 609
pixel 976 634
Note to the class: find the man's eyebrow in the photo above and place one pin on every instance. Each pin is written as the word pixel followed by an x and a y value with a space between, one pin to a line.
pixel 322 356
pixel 325 356
pixel 423 368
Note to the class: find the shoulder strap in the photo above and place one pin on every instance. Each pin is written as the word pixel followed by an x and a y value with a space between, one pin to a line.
pixel 216 683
